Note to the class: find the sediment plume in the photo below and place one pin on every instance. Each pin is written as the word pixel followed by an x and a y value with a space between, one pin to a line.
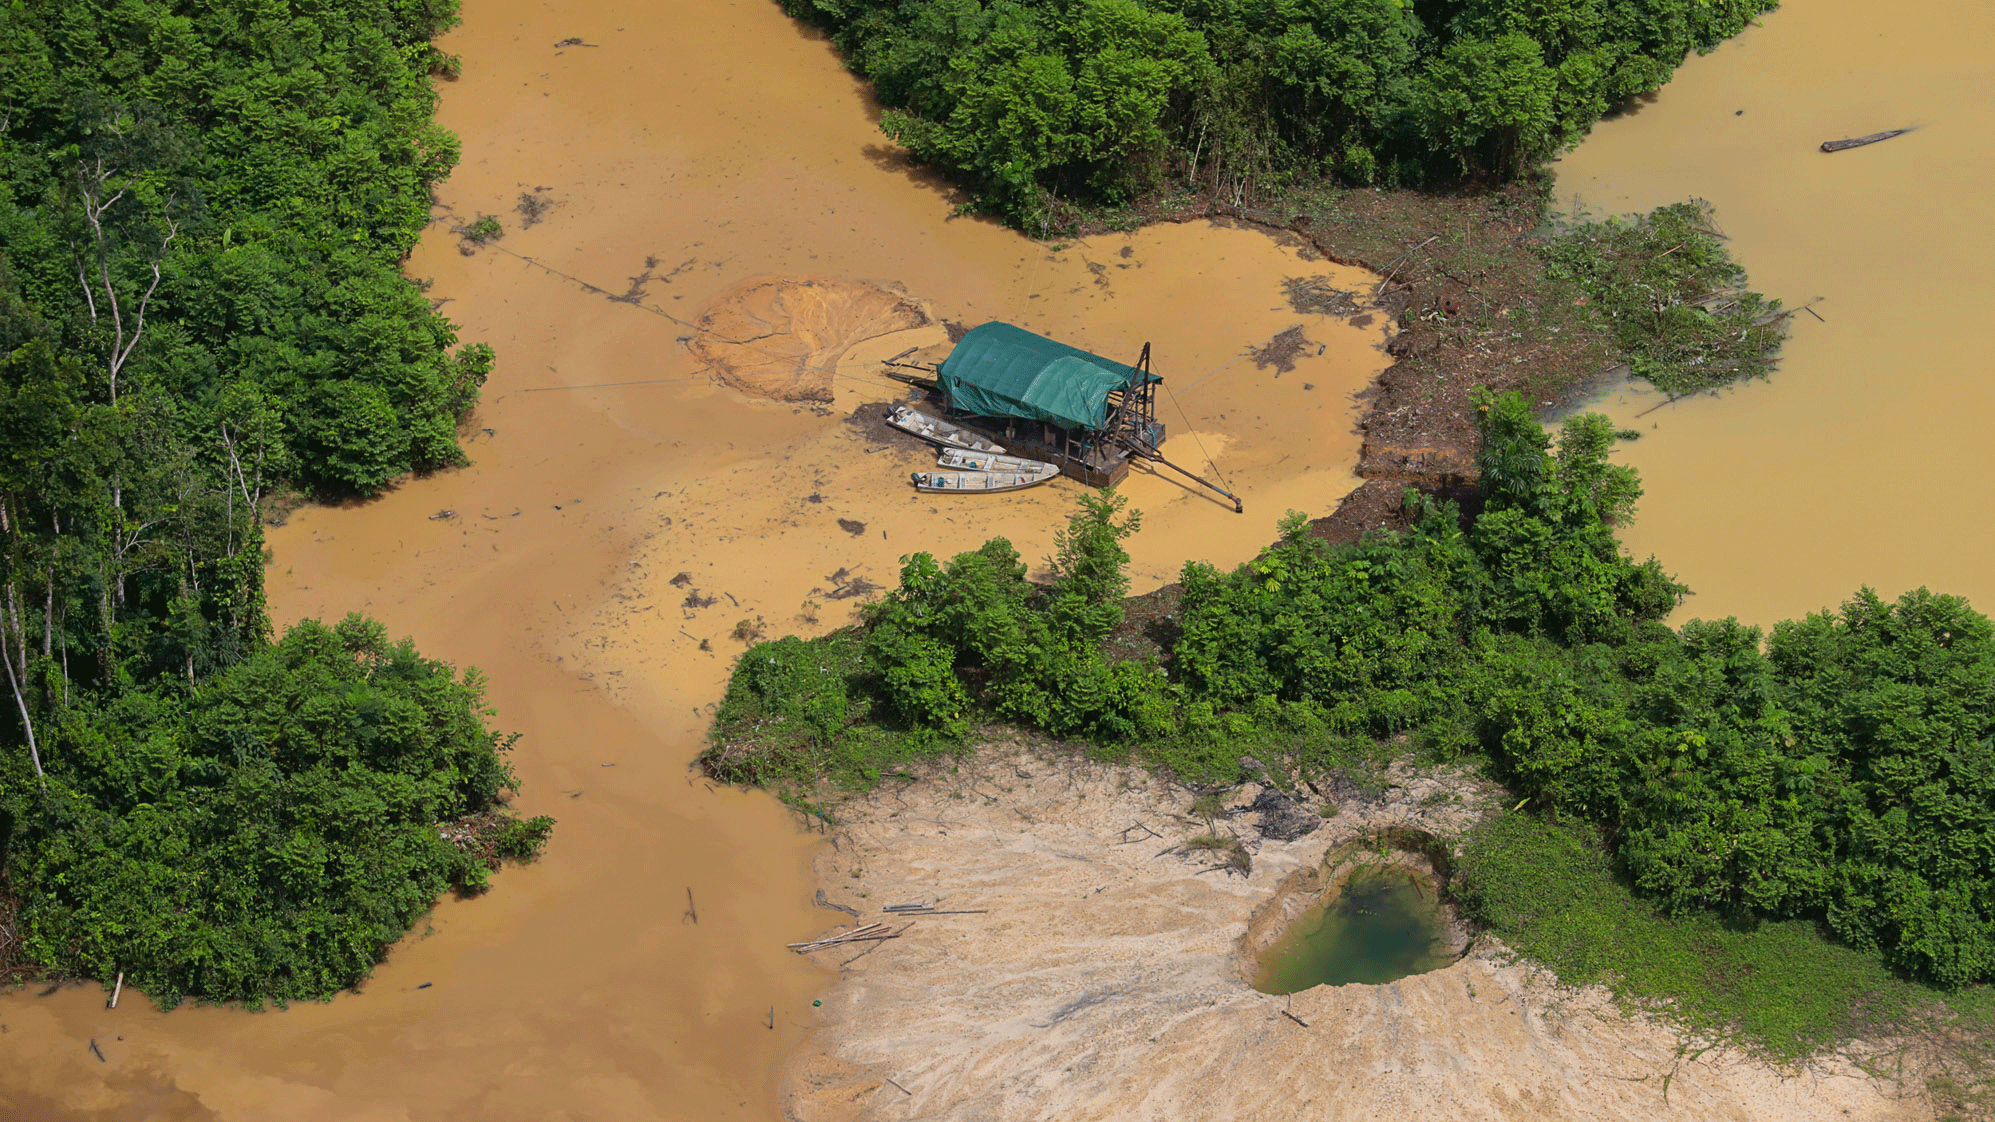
pixel 783 338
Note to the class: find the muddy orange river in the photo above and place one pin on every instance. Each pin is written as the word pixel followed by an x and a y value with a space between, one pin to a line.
pixel 626 516
pixel 1865 459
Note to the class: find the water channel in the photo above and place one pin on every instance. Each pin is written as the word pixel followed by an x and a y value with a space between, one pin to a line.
pixel 721 142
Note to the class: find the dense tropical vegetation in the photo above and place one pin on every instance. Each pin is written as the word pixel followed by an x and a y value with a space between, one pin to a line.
pixel 1036 104
pixel 203 211
pixel 1841 769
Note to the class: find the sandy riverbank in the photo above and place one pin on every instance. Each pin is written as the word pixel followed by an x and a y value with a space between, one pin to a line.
pixel 1104 982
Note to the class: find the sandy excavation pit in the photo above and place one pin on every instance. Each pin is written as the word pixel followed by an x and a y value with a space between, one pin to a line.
pixel 1105 978
pixel 1281 934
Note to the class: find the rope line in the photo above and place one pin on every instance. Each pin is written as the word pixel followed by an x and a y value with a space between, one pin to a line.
pixel 1209 461
pixel 688 324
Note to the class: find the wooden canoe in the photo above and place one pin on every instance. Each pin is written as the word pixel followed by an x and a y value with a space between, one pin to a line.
pixel 962 459
pixel 1860 141
pixel 980 482
pixel 938 431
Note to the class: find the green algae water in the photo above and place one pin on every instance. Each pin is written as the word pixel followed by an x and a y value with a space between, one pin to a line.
pixel 1384 926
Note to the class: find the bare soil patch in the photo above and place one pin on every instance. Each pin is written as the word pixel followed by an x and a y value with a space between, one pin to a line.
pixel 1082 963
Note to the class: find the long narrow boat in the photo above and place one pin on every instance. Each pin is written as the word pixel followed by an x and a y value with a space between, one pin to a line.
pixel 962 459
pixel 937 431
pixel 979 482
pixel 1860 141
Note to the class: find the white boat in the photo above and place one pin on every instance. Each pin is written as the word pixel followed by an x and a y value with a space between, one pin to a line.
pixel 962 459
pixel 938 431
pixel 975 482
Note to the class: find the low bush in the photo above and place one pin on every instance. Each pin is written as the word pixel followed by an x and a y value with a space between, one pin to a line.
pixel 266 835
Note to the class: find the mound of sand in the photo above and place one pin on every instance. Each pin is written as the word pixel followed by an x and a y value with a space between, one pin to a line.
pixel 1102 980
pixel 784 337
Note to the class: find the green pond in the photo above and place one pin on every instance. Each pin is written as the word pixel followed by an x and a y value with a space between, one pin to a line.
pixel 1385 925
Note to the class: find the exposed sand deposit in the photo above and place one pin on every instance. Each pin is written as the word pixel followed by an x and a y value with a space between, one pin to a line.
pixel 1105 981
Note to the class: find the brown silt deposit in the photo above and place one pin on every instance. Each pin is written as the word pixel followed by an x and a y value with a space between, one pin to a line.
pixel 716 205
pixel 784 337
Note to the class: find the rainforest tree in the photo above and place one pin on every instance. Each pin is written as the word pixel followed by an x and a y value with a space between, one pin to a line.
pixel 204 207
pixel 1036 104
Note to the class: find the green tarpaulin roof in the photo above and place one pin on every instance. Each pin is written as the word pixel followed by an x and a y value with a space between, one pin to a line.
pixel 998 370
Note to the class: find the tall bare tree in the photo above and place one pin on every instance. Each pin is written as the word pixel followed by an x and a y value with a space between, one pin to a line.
pixel 14 653
pixel 94 183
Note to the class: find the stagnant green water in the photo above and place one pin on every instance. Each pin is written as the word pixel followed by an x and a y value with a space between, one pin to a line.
pixel 1382 927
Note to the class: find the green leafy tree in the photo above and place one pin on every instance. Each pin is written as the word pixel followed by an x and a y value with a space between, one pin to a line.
pixel 1490 104
pixel 1040 106
pixel 1900 697
pixel 266 835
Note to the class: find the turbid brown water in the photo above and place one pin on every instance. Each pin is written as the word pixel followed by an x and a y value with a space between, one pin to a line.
pixel 1864 459
pixel 722 144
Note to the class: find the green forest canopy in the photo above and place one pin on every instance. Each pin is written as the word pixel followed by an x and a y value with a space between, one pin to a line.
pixel 204 208
pixel 1032 102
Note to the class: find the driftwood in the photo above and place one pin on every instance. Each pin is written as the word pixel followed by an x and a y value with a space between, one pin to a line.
pixel 1860 141
pixel 932 910
pixel 943 912
pixel 857 935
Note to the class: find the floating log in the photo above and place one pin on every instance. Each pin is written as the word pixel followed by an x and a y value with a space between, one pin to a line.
pixel 1860 141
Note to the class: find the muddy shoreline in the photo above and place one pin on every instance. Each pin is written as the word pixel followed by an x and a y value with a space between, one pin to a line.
pixel 1451 270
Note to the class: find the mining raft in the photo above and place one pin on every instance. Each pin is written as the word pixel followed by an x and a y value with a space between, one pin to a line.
pixel 1092 416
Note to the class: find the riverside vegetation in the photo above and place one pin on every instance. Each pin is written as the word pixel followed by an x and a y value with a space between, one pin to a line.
pixel 1825 787
pixel 203 213
pixel 1047 108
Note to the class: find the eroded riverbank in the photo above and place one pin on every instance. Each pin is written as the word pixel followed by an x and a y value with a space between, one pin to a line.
pixel 723 144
